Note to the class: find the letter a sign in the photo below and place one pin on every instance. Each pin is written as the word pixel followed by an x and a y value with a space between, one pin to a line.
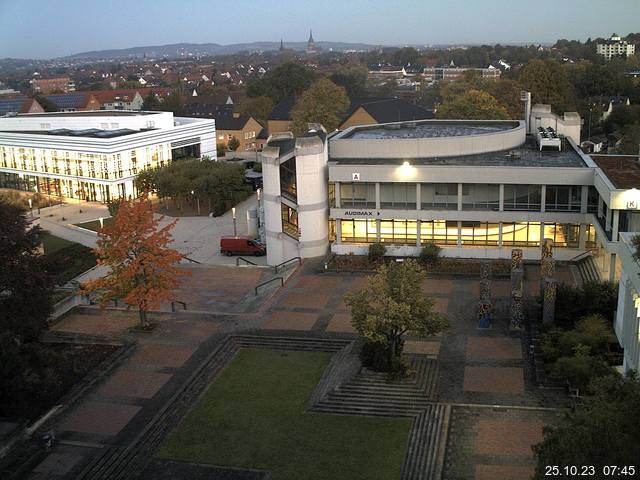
pixel 355 177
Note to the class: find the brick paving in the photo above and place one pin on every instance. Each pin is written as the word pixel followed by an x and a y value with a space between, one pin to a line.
pixel 133 383
pixel 507 437
pixel 498 348
pixel 503 472
pixel 422 347
pixel 163 356
pixel 280 320
pixel 494 380
pixel 340 322
pixel 101 418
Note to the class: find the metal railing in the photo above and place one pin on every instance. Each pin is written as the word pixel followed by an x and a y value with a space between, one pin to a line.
pixel 581 256
pixel 287 261
pixel 268 282
pixel 249 262
pixel 191 260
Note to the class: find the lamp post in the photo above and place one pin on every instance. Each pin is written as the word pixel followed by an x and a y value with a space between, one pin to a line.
pixel 235 227
pixel 258 193
pixel 197 201
pixel 31 207
pixel 101 223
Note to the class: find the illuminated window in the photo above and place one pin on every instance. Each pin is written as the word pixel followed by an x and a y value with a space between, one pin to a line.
pixel 289 220
pixel 480 233
pixel 521 234
pixel 564 235
pixel 358 231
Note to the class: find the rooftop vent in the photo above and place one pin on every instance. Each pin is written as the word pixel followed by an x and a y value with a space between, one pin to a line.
pixel 514 154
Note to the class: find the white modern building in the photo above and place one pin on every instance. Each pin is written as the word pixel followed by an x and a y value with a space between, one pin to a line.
pixel 614 47
pixel 95 155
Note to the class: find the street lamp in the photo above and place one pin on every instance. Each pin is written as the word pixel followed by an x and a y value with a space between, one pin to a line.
pixel 235 227
pixel 101 223
pixel 197 200
pixel 259 192
pixel 31 207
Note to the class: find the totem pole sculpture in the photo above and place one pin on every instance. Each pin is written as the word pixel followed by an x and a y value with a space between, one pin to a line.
pixel 517 275
pixel 548 285
pixel 484 305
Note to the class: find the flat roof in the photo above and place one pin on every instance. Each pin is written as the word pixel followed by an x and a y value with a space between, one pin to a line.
pixel 622 170
pixel 89 132
pixel 527 155
pixel 429 129
pixel 89 113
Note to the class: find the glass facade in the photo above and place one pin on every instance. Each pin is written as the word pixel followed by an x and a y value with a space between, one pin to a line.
pixel 398 195
pixel 563 234
pixel 480 233
pixel 289 220
pixel 358 195
pixel 288 181
pixel 563 198
pixel 358 231
pixel 403 232
pixel 521 234
pixel 439 196
pixel 522 197
pixel 480 196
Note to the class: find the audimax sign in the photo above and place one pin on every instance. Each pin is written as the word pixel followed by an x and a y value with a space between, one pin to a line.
pixel 362 213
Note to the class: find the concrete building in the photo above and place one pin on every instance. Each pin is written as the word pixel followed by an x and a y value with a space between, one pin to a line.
pixel 614 47
pixel 46 86
pixel 449 74
pixel 95 155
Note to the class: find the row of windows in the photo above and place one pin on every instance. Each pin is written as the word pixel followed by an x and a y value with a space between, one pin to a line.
pixel 441 232
pixel 444 196
pixel 78 164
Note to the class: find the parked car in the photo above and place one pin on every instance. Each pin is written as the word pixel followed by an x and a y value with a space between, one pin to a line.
pixel 241 245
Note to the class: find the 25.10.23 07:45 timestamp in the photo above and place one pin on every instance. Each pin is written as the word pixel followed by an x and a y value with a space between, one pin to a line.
pixel 570 471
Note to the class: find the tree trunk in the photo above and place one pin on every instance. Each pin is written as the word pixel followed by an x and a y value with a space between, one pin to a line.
pixel 143 316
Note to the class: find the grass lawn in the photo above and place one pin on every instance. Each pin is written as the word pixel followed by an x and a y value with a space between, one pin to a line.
pixel 93 225
pixel 253 417
pixel 67 259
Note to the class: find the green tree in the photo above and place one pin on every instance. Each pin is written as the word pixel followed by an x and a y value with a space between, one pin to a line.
pixel 631 139
pixel 392 305
pixel 473 105
pixel 284 80
pixel 234 143
pixel 173 103
pixel 548 83
pixel 354 81
pixel 324 102
pixel 605 430
pixel 257 107
pixel 150 102
pixel 507 93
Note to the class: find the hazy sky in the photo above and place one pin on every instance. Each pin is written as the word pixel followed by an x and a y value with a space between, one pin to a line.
pixel 51 28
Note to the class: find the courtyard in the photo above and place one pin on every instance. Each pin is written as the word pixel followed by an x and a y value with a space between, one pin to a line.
pixel 270 386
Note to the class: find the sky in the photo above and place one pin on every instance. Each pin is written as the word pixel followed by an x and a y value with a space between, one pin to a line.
pixel 54 28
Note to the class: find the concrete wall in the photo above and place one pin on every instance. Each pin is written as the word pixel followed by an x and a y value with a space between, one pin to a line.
pixel 101 121
pixel 344 147
pixel 568 125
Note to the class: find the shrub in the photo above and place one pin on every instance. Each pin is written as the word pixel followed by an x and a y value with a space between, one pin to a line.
pixel 573 303
pixel 377 251
pixel 579 370
pixel 591 332
pixel 257 167
pixel 375 355
pixel 430 254
pixel 113 206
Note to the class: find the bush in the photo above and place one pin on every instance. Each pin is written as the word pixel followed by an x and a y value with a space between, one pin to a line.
pixel 573 303
pixel 430 254
pixel 257 167
pixel 591 332
pixel 113 206
pixel 579 370
pixel 377 251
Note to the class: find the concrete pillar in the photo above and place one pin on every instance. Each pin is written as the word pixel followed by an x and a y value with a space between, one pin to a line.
pixel 615 224
pixel 418 197
pixel 600 206
pixel 501 205
pixel 612 268
pixel 459 241
pixel 608 220
pixel 543 198
pixel 459 197
pixel 378 197
pixel 378 225
pixel 337 194
pixel 584 199
pixel 500 235
pixel 582 239
pixel 338 231
pixel 418 224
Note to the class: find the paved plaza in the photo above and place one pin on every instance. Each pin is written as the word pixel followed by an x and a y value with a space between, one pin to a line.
pixel 483 376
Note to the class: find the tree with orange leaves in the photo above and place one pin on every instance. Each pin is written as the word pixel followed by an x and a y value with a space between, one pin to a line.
pixel 143 268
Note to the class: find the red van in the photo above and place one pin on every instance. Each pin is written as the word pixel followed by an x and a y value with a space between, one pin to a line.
pixel 241 246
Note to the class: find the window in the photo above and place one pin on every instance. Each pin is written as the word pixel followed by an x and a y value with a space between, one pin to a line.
pixel 398 195
pixel 591 237
pixel 358 195
pixel 480 233
pixel 332 195
pixel 402 232
pixel 564 235
pixel 563 198
pixel 592 200
pixel 289 220
pixel 288 183
pixel 439 232
pixel 439 196
pixel 521 234
pixel 522 197
pixel 358 231
pixel 480 196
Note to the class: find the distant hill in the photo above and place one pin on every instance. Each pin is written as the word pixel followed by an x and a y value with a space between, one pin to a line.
pixel 186 49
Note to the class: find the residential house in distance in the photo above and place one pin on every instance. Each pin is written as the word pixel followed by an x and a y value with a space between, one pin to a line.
pixel 74 102
pixel 243 127
pixel 452 73
pixel 210 106
pixel 611 103
pixel 614 47
pixel 362 111
pixel 45 86
pixel 122 99
pixel 19 104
